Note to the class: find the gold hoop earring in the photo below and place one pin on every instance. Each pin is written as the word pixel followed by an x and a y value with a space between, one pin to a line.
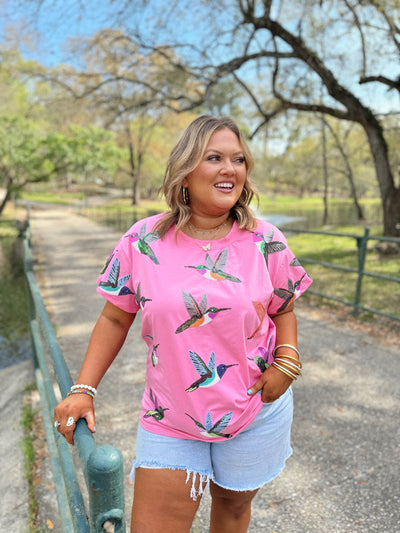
pixel 185 195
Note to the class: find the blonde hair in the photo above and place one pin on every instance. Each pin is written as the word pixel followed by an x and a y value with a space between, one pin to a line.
pixel 185 157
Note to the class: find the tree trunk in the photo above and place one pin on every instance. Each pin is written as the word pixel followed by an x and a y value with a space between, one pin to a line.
pixel 135 189
pixel 390 194
pixel 4 201
pixel 325 171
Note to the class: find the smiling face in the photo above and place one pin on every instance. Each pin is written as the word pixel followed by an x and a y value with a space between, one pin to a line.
pixel 216 184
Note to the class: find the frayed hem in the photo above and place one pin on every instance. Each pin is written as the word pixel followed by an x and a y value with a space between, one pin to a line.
pixel 203 483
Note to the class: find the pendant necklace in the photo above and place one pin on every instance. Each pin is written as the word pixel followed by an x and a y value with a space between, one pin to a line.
pixel 210 232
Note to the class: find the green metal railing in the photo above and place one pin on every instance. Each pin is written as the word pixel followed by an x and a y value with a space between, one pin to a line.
pixel 362 243
pixel 102 466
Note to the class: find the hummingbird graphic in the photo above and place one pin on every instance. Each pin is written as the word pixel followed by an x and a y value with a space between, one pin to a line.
pixel 141 242
pixel 114 283
pixel 209 374
pixel 141 300
pixel 216 270
pixel 289 294
pixel 158 412
pixel 261 360
pixel 261 312
pixel 200 314
pixel 154 356
pixel 210 430
pixel 295 262
pixel 266 245
pixel 107 262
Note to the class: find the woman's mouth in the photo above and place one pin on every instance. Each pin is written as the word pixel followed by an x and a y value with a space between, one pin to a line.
pixel 224 186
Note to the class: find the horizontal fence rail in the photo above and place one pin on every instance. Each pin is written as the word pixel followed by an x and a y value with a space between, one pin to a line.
pixel 101 465
pixel 362 244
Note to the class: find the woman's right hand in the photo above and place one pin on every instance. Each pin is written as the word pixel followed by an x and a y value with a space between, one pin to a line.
pixel 67 412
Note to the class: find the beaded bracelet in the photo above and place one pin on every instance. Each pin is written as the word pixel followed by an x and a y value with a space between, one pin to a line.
pixel 287 372
pixel 286 346
pixel 81 391
pixel 87 387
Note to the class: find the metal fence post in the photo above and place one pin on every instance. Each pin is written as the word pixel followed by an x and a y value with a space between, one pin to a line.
pixel 362 252
pixel 106 493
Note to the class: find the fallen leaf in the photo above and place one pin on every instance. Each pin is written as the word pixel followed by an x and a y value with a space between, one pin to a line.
pixel 49 524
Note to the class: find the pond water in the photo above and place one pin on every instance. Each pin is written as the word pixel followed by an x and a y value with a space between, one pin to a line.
pixel 14 305
pixel 310 219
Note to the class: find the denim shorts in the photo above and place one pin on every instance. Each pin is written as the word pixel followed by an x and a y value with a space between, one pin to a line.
pixel 246 462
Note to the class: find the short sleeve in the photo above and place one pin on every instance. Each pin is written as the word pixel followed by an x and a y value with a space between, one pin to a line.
pixel 288 277
pixel 115 282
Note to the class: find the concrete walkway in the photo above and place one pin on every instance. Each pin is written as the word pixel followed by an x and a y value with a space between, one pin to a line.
pixel 344 474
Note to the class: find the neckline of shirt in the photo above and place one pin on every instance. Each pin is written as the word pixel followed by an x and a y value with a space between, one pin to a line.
pixel 234 234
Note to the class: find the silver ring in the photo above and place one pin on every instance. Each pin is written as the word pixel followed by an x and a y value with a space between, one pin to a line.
pixel 56 424
pixel 70 422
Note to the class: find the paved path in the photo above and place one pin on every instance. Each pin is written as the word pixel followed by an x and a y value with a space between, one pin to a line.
pixel 344 474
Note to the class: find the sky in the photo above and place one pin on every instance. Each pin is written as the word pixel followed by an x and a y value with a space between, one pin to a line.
pixel 55 25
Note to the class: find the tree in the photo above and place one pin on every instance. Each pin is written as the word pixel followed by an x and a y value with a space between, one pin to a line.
pixel 124 89
pixel 293 47
pixel 289 56
pixel 29 156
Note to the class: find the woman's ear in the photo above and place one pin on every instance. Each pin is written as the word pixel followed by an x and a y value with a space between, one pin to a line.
pixel 184 182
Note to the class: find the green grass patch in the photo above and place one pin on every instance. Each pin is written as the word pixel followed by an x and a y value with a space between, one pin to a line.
pixel 14 308
pixel 342 251
pixel 28 422
pixel 61 198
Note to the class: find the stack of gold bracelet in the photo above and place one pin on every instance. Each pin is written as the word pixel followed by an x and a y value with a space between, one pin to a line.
pixel 289 365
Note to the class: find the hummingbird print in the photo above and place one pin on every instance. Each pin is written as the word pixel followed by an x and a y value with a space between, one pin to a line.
pixel 140 300
pixel 114 283
pixel 158 412
pixel 295 262
pixel 107 262
pixel 261 312
pixel 200 314
pixel 141 242
pixel 154 356
pixel 261 360
pixel 289 294
pixel 216 270
pixel 266 245
pixel 214 430
pixel 209 374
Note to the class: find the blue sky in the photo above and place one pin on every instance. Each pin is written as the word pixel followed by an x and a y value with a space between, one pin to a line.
pixel 55 25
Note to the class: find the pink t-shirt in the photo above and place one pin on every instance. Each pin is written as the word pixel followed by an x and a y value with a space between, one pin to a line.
pixel 205 318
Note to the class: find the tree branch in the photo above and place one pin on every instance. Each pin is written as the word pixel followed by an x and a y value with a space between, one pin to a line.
pixel 393 84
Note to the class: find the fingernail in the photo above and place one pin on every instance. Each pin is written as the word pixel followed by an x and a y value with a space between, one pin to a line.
pixel 249 391
pixel 94 428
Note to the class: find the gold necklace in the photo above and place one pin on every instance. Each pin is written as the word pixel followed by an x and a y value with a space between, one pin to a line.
pixel 213 231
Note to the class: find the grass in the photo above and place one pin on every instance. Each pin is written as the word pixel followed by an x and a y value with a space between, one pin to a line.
pixel 64 198
pixel 14 308
pixel 28 422
pixel 342 251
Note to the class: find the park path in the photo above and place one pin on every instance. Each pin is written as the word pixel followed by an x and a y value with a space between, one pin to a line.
pixel 344 474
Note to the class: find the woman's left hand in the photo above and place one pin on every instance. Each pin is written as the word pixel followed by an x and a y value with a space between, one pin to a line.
pixel 273 383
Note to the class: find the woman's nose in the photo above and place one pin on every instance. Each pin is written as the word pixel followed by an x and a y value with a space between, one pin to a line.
pixel 228 167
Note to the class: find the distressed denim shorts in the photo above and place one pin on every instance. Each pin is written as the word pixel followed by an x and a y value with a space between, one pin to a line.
pixel 246 462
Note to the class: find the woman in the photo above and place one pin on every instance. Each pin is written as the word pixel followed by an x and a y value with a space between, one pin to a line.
pixel 216 289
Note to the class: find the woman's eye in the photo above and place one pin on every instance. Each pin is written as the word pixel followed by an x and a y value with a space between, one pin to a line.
pixel 240 160
pixel 213 157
